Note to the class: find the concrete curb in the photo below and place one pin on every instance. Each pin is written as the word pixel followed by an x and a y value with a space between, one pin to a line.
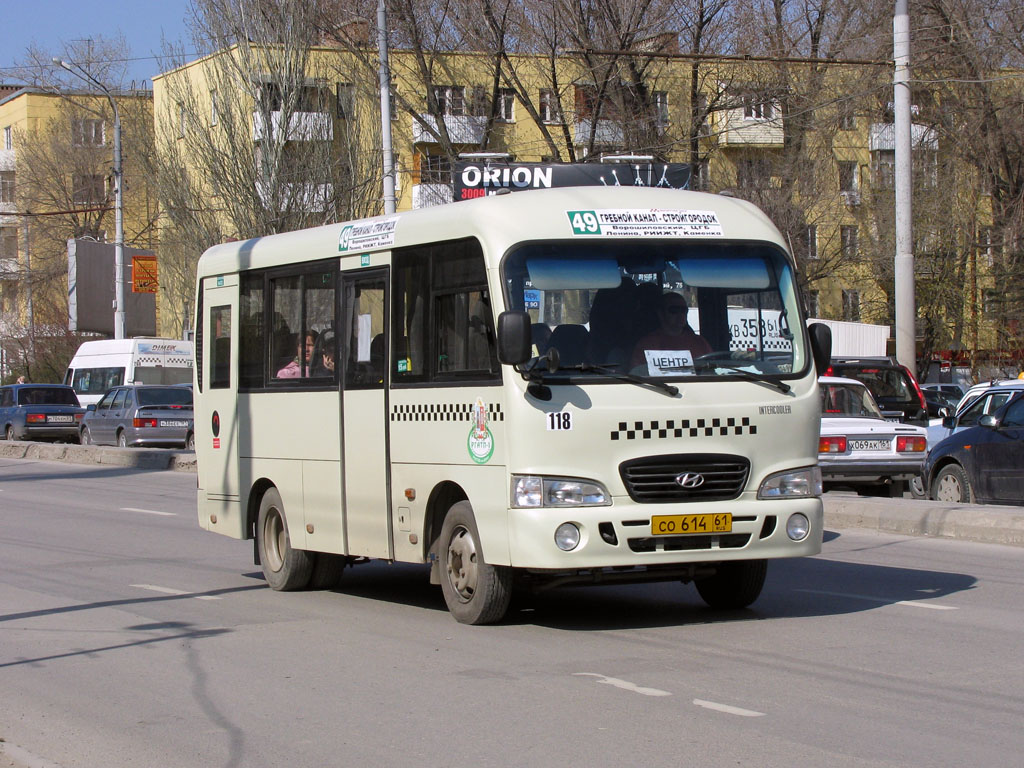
pixel 140 458
pixel 988 523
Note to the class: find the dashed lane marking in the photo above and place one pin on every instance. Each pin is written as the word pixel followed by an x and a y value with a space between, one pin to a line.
pixel 169 591
pixel 624 684
pixel 148 511
pixel 727 709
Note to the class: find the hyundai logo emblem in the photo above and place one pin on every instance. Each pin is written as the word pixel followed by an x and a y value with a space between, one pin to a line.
pixel 690 480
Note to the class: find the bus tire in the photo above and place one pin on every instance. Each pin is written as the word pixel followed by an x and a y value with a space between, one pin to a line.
pixel 327 570
pixel 284 567
pixel 475 592
pixel 736 584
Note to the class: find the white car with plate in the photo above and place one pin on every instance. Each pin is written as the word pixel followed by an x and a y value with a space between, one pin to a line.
pixel 858 448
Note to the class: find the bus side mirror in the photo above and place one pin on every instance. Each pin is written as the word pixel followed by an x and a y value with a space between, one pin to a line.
pixel 821 346
pixel 514 342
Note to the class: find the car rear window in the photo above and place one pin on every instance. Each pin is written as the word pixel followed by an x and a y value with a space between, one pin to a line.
pixel 885 383
pixel 169 396
pixel 47 396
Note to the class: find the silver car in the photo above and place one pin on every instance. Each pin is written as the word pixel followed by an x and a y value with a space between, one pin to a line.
pixel 141 415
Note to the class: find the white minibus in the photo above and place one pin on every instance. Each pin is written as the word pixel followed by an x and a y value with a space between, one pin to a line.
pixel 101 365
pixel 510 389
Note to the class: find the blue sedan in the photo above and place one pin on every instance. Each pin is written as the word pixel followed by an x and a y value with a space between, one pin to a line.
pixel 982 463
pixel 39 412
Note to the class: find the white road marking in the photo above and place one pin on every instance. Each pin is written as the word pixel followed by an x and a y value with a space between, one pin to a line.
pixel 148 511
pixel 729 710
pixel 624 684
pixel 169 591
pixel 911 603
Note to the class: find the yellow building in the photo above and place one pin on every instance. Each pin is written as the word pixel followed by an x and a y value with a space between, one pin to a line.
pixel 303 129
pixel 56 183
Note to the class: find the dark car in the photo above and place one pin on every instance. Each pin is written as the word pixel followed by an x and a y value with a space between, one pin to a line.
pixel 982 463
pixel 141 415
pixel 891 384
pixel 39 412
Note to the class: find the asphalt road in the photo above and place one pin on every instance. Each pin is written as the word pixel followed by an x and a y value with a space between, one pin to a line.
pixel 132 638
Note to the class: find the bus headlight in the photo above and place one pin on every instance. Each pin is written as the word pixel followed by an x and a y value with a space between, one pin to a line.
pixel 567 537
pixel 798 526
pixel 798 483
pixel 535 491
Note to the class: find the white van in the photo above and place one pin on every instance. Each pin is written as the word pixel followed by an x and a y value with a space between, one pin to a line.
pixel 99 365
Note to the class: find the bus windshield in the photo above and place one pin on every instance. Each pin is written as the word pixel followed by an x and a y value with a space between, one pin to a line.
pixel 667 309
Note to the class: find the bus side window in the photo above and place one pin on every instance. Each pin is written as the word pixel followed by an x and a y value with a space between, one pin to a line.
pixel 220 348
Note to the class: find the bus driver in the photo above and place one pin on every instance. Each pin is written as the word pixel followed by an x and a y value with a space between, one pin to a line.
pixel 673 334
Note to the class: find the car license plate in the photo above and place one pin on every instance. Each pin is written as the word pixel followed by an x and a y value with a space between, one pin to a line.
pixel 168 423
pixel 674 525
pixel 869 445
pixel 60 419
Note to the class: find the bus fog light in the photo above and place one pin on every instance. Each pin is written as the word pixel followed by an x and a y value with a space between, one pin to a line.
pixel 798 526
pixel 567 537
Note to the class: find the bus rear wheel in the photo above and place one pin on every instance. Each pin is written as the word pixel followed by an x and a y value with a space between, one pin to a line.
pixel 284 567
pixel 735 584
pixel 475 592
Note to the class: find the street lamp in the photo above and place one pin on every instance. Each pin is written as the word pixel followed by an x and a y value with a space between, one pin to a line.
pixel 118 198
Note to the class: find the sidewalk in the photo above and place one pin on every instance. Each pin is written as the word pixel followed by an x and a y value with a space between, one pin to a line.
pixel 986 523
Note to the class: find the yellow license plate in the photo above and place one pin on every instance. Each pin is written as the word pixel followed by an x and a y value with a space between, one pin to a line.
pixel 675 525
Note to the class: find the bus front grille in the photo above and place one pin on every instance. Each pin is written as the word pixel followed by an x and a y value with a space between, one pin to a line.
pixel 685 477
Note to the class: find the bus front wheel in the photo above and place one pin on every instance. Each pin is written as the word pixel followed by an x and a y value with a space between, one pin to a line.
pixel 284 567
pixel 475 592
pixel 735 584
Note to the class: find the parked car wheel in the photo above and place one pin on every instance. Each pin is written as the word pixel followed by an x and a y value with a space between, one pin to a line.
pixel 951 484
pixel 86 437
pixel 917 488
pixel 10 434
pixel 190 442
pixel 122 440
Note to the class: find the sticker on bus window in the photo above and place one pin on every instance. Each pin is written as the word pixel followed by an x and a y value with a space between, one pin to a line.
pixel 480 441
pixel 642 222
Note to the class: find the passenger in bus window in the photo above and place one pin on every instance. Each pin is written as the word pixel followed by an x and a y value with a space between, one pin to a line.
pixel 673 333
pixel 304 353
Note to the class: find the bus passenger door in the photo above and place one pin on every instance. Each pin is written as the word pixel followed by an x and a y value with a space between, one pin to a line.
pixel 366 479
pixel 216 422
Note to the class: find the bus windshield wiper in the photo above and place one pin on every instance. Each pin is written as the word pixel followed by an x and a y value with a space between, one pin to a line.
pixel 757 378
pixel 640 381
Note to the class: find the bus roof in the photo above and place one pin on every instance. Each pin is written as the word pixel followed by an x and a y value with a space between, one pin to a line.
pixel 497 221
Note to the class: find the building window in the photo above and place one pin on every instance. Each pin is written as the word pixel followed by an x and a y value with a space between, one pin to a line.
pixel 753 171
pixel 435 169
pixel 848 241
pixel 814 304
pixel 506 105
pixel 660 102
pixel 811 241
pixel 214 116
pixel 8 138
pixel 8 242
pixel 851 306
pixel 848 176
pixel 345 96
pixel 451 100
pixel 883 162
pixel 88 189
pixel 757 107
pixel 6 186
pixel 990 245
pixel 87 133
pixel 549 106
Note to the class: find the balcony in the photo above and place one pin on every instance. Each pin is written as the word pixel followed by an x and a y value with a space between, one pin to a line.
pixel 427 195
pixel 605 132
pixel 302 126
pixel 735 130
pixel 462 129
pixel 883 137
pixel 307 197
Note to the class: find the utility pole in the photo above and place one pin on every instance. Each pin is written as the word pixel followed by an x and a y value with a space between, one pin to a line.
pixel 119 303
pixel 906 313
pixel 385 109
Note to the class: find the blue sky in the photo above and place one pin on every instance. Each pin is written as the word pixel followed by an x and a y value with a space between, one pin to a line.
pixel 48 23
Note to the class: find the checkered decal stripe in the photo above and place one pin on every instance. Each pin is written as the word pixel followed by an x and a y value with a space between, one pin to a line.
pixel 443 412
pixel 684 428
pixel 161 360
